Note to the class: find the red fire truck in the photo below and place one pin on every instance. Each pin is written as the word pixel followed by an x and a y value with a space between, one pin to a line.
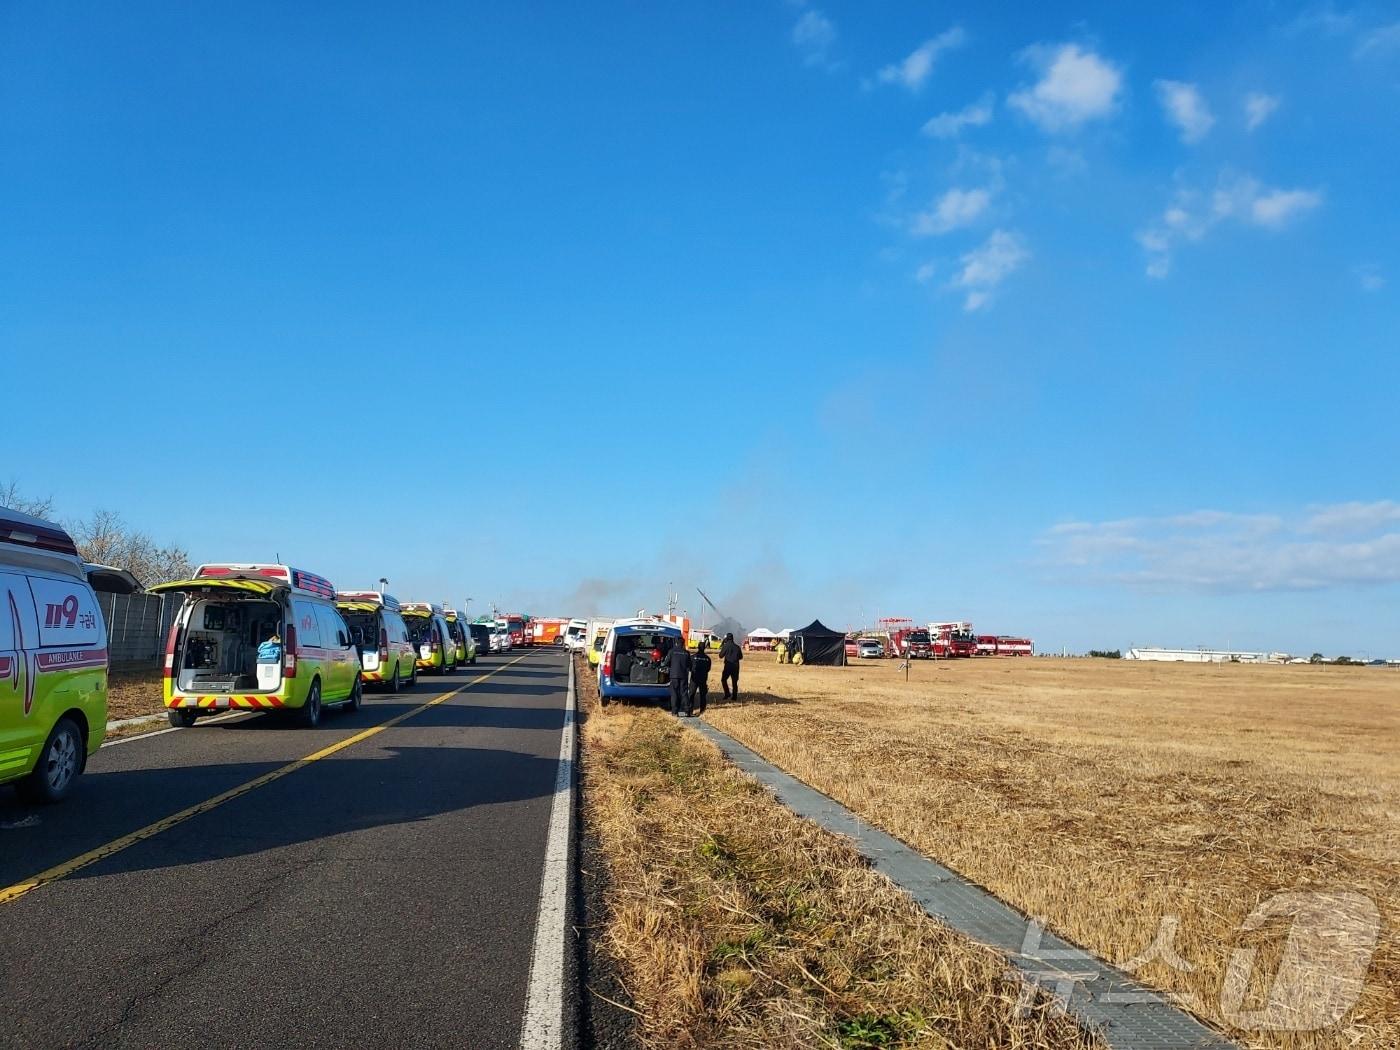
pixel 1004 645
pixel 547 630
pixel 953 639
pixel 515 625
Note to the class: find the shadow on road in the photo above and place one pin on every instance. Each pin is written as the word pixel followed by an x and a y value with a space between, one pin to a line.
pixel 347 792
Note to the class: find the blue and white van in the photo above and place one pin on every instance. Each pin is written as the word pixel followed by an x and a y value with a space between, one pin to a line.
pixel 632 665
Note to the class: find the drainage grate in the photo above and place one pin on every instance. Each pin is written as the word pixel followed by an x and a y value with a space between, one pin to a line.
pixel 1129 1016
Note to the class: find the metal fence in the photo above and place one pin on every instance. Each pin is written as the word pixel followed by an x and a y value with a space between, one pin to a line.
pixel 137 625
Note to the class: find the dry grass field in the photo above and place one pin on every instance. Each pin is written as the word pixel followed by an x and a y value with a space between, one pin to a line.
pixel 1127 804
pixel 132 692
pixel 734 923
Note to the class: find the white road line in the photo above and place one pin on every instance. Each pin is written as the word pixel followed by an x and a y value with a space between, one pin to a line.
pixel 176 729
pixel 543 1027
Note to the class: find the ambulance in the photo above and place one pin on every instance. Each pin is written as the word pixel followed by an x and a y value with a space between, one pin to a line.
pixel 428 628
pixel 252 637
pixel 53 660
pixel 388 658
pixel 461 637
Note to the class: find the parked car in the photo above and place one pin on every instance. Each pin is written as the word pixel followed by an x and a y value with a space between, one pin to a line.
pixel 53 660
pixel 633 661
pixel 258 638
pixel 431 636
pixel 387 657
pixel 852 647
pixel 503 639
pixel 481 638
pixel 870 648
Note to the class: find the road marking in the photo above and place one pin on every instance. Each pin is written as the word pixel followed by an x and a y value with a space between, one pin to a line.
pixel 543 1027
pixel 68 867
pixel 174 729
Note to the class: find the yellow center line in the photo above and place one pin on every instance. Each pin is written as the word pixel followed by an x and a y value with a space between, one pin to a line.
pixel 68 867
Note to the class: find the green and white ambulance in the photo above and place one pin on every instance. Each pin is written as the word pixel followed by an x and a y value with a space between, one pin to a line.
pixel 427 626
pixel 53 660
pixel 258 638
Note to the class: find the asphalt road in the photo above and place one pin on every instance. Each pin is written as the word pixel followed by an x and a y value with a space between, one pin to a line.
pixel 384 895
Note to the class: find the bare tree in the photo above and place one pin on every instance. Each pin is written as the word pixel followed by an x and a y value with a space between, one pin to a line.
pixel 105 538
pixel 12 498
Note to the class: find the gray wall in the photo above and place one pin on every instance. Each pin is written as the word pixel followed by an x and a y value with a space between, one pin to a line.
pixel 137 624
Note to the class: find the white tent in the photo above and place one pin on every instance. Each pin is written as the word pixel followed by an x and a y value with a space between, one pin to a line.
pixel 786 633
pixel 762 634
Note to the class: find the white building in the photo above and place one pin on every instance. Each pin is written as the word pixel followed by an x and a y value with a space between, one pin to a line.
pixel 1205 656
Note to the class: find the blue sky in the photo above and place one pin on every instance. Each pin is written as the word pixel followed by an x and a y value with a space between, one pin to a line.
pixel 1078 321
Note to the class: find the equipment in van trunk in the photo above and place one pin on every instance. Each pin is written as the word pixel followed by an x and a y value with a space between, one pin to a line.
pixel 258 637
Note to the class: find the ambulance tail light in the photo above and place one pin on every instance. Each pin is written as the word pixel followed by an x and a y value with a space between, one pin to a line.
pixel 289 653
pixel 383 644
pixel 169 670
pixel 607 665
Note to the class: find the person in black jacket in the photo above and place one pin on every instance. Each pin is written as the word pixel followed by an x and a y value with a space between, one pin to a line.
pixel 730 654
pixel 699 680
pixel 678 675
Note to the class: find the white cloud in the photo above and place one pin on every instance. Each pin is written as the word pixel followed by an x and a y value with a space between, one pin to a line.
pixel 1346 544
pixel 950 125
pixel 926 272
pixel 814 35
pixel 915 69
pixel 1370 277
pixel 1350 518
pixel 1259 107
pixel 1076 86
pixel 1277 208
pixel 1192 214
pixel 984 268
pixel 955 209
pixel 1379 42
pixel 1185 108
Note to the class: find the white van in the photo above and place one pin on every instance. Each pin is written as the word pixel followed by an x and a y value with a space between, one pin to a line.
pixel 53 659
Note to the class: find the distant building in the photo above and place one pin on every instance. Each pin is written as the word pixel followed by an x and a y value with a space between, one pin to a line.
pixel 1205 656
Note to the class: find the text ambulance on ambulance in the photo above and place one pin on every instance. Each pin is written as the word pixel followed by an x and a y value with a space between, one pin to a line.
pixel 258 638
pixel 429 631
pixel 53 660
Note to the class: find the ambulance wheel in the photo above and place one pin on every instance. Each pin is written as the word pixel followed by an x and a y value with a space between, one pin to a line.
pixel 182 717
pixel 357 695
pixel 59 765
pixel 395 684
pixel 309 715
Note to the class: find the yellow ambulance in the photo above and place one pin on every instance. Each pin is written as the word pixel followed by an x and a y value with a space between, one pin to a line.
pixel 53 660
pixel 252 637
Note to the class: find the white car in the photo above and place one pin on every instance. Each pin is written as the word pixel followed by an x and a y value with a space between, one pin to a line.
pixel 869 649
pixel 575 635
pixel 500 639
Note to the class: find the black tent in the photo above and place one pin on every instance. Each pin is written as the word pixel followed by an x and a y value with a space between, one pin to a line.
pixel 819 644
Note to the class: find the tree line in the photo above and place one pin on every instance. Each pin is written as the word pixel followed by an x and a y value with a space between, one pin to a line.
pixel 105 538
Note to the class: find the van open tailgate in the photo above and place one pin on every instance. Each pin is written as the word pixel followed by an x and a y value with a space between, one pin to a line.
pixel 262 587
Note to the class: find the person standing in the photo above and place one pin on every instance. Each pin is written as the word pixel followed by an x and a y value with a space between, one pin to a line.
pixel 678 676
pixel 730 654
pixel 782 651
pixel 699 680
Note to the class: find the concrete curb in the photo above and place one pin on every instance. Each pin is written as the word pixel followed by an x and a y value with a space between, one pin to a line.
pixel 137 721
pixel 1099 996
